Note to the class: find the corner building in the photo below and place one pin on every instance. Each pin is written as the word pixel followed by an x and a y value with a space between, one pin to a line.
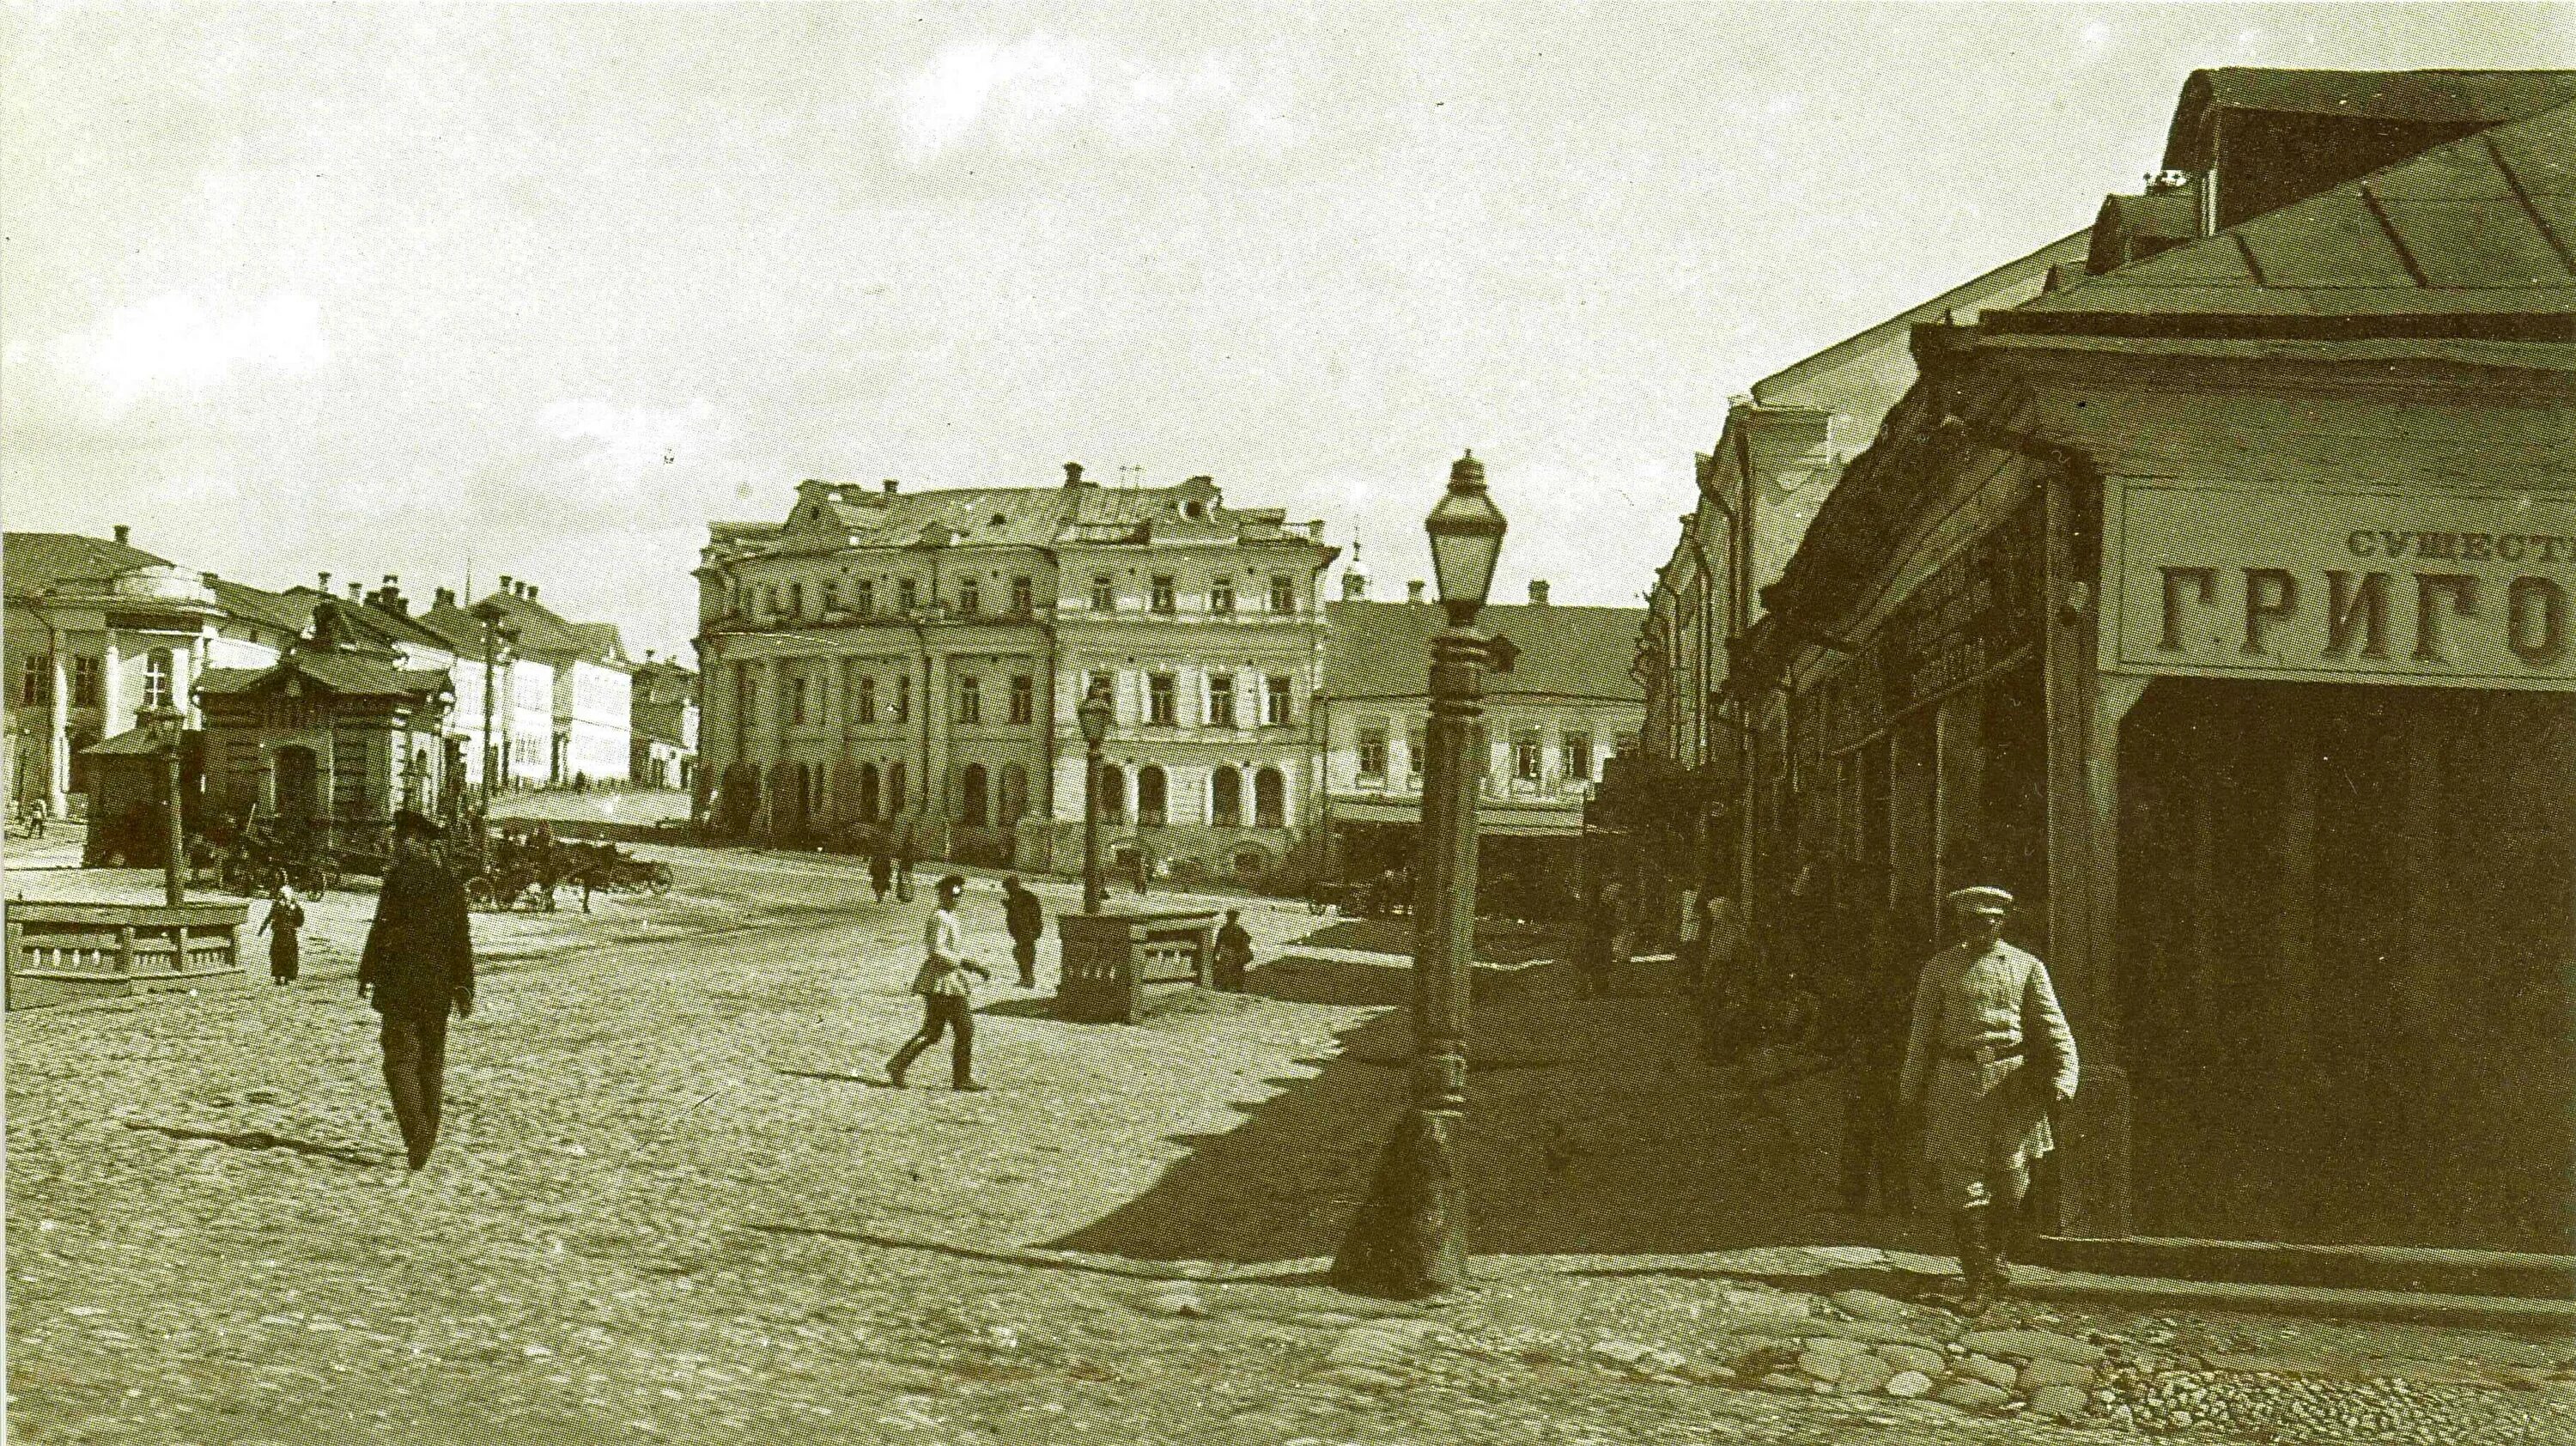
pixel 908 665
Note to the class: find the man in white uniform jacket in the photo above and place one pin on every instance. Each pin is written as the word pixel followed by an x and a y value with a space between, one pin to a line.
pixel 1988 1057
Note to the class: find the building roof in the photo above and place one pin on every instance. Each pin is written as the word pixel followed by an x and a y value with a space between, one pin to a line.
pixel 37 560
pixel 543 632
pixel 2436 97
pixel 1383 650
pixel 283 611
pixel 132 743
pixel 832 516
pixel 2476 228
pixel 352 674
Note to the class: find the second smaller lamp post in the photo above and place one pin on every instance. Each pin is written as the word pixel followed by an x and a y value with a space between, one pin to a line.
pixel 1094 714
pixel 1409 1239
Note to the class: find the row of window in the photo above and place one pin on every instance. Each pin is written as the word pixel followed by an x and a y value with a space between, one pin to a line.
pixel 1528 756
pixel 1225 796
pixel 804 699
pixel 1162 595
pixel 89 680
pixel 1218 705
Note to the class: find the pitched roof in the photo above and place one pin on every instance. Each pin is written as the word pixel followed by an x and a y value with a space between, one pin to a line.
pixel 347 673
pixel 2432 97
pixel 830 516
pixel 35 560
pixel 2471 236
pixel 283 611
pixel 1383 650
pixel 541 629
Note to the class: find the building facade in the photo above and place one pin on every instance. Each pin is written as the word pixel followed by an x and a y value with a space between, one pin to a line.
pixel 2215 602
pixel 1569 703
pixel 911 663
pixel 666 725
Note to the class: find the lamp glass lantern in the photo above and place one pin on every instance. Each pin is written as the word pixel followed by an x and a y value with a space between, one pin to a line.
pixel 1466 538
pixel 1094 714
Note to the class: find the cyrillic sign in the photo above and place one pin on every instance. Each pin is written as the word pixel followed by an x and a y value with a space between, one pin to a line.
pixel 2456 589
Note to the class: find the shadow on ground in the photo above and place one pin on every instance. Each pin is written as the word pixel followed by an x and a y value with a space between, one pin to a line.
pixel 1593 1129
pixel 1496 942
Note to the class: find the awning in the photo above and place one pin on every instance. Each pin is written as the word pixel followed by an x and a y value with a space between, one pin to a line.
pixel 1492 819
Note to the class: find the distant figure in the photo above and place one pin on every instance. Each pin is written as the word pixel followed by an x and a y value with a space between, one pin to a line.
pixel 947 995
pixel 1988 1057
pixel 1144 872
pixel 903 869
pixel 418 965
pixel 1027 921
pixel 284 927
pixel 1605 942
pixel 881 872
pixel 1233 952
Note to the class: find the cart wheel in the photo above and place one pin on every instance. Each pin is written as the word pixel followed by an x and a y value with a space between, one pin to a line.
pixel 659 881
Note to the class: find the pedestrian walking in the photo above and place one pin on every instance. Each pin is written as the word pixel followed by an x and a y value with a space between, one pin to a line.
pixel 1144 871
pixel 1233 952
pixel 417 967
pixel 284 926
pixel 947 995
pixel 1605 943
pixel 1026 919
pixel 881 872
pixel 1988 1057
pixel 903 869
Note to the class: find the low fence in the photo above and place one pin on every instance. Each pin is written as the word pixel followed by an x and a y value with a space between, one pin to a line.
pixel 59 953
pixel 1108 959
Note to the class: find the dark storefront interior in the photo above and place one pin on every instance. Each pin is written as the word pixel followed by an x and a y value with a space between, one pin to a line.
pixel 2348 924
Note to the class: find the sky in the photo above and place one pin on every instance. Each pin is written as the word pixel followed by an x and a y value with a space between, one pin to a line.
pixel 464 291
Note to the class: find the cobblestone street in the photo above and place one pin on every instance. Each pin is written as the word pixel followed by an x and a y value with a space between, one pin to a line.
pixel 670 1202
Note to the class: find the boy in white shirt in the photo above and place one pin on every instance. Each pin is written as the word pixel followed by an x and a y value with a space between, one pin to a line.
pixel 947 995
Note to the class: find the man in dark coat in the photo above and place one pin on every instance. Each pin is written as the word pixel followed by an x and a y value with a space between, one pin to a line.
pixel 1233 952
pixel 418 965
pixel 1026 919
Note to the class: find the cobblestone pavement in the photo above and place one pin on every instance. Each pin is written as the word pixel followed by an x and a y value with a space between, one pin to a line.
pixel 670 1204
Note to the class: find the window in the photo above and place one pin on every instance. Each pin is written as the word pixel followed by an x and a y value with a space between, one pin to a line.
pixel 1015 795
pixel 867 705
pixel 1159 709
pixel 1283 594
pixel 970 699
pixel 1113 794
pixel 1024 593
pixel 894 789
pixel 1024 698
pixel 1274 701
pixel 1373 752
pixel 1104 593
pixel 831 597
pixel 796 599
pixel 1269 799
pixel 156 679
pixel 903 697
pixel 1166 595
pixel 1528 755
pixel 1220 700
pixel 35 680
pixel 1152 796
pixel 867 793
pixel 863 597
pixel 796 698
pixel 86 676
pixel 970 596
pixel 1221 597
pixel 907 595
pixel 1225 798
pixel 1415 735
pixel 1624 743
pixel 1578 755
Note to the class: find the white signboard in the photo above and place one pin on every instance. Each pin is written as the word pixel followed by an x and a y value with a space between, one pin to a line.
pixel 2361 585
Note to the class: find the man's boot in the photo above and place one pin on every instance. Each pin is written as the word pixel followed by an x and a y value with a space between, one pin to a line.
pixel 902 1061
pixel 1976 1258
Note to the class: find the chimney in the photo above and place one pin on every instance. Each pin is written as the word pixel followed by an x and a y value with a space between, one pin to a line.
pixel 325 589
pixel 532 590
pixel 1538 592
pixel 648 655
pixel 122 533
pixel 892 486
pixel 1073 475
pixel 505 585
pixel 1413 591
pixel 355 589
pixel 447 597
pixel 1354 586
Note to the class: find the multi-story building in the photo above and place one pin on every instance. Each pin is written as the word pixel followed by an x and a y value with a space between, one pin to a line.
pixel 915 660
pixel 98 630
pixel 666 724
pixel 567 692
pixel 1568 703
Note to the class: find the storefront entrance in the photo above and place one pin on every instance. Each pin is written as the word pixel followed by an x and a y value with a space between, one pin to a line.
pixel 2348 924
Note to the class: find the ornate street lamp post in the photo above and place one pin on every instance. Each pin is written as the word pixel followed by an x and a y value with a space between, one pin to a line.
pixel 1408 1240
pixel 1094 714
pixel 169 725
pixel 489 612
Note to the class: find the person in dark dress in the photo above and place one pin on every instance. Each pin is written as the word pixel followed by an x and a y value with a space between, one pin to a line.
pixel 881 872
pixel 418 966
pixel 1233 952
pixel 284 927
pixel 1026 919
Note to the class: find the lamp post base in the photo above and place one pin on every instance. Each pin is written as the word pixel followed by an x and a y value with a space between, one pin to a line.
pixel 1409 1239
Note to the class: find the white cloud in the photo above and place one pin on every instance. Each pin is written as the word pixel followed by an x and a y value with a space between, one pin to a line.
pixel 655 462
pixel 178 342
pixel 1038 94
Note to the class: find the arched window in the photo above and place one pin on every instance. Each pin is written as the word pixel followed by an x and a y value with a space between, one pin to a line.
pixel 1015 794
pixel 971 803
pixel 1269 799
pixel 845 791
pixel 894 789
pixel 1225 789
pixel 1151 795
pixel 867 793
pixel 1113 793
